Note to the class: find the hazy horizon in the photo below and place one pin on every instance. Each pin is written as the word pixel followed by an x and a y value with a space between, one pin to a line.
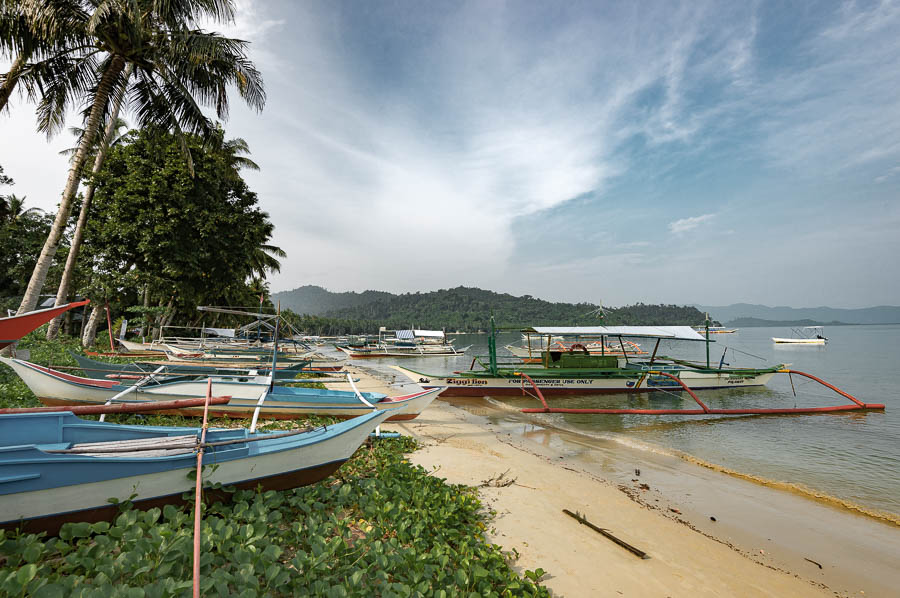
pixel 538 296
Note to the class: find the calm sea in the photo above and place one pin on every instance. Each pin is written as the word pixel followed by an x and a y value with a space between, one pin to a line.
pixel 853 456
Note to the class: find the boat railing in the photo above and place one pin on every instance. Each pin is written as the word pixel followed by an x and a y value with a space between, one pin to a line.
pixel 360 396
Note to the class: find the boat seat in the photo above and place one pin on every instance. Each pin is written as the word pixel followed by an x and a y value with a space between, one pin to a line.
pixel 157 446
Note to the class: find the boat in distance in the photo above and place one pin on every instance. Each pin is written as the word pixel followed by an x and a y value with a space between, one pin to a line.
pixel 580 372
pixel 808 335
pixel 55 388
pixel 56 468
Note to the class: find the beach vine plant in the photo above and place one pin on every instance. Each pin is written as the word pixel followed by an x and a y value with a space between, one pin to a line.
pixel 380 526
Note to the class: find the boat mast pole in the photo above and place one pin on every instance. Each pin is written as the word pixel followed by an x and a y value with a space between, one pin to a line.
pixel 707 340
pixel 492 348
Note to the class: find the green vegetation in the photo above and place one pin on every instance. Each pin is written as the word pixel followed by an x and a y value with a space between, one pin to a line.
pixel 22 233
pixel 379 527
pixel 148 57
pixel 469 309
pixel 314 300
pixel 185 238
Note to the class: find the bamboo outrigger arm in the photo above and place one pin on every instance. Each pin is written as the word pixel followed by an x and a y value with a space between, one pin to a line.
pixel 857 405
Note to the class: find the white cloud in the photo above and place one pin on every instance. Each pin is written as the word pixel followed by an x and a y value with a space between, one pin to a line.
pixel 684 225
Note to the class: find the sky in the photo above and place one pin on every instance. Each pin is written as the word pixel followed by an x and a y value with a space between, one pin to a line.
pixel 614 152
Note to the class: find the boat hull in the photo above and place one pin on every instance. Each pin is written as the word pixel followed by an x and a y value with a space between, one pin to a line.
pixel 42 491
pixel 57 389
pixel 465 386
pixel 15 327
pixel 798 341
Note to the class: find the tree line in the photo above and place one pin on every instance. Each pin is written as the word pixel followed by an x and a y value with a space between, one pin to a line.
pixel 164 220
pixel 467 309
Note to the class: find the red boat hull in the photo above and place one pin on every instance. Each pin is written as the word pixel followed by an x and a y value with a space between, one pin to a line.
pixel 15 327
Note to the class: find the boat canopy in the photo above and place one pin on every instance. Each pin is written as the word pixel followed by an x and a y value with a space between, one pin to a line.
pixel 681 333
pixel 411 334
pixel 430 333
pixel 228 332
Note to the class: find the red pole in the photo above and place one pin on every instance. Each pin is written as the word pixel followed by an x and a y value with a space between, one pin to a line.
pixel 120 407
pixel 112 347
pixel 535 386
pixel 198 489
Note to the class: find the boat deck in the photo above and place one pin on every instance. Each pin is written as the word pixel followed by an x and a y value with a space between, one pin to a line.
pixel 157 446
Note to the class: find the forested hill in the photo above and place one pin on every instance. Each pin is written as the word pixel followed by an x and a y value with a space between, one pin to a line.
pixel 469 309
pixel 314 300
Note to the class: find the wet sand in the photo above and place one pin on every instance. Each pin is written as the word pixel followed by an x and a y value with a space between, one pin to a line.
pixel 758 544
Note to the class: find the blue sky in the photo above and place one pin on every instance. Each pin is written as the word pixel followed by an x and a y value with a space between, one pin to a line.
pixel 661 152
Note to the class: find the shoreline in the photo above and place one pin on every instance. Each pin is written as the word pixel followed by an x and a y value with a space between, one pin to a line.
pixel 763 541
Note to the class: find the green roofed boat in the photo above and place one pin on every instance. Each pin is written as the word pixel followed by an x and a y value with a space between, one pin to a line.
pixel 578 371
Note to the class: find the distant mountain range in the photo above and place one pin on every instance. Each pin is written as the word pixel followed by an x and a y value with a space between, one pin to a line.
pixel 315 300
pixel 782 315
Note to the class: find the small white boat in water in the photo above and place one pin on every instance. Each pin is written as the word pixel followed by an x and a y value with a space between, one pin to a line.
pixel 808 335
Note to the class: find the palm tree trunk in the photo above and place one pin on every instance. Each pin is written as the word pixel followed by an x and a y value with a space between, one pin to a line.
pixel 101 99
pixel 90 331
pixel 12 77
pixel 69 271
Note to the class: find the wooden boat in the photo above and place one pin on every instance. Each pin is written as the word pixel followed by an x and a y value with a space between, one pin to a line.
pixel 56 468
pixel 808 335
pixel 14 328
pixel 403 343
pixel 102 370
pixel 382 350
pixel 56 388
pixel 715 330
pixel 533 354
pixel 181 354
pixel 578 372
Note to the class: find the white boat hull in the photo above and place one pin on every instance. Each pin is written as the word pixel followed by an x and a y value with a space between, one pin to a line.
pixel 74 390
pixel 498 386
pixel 798 341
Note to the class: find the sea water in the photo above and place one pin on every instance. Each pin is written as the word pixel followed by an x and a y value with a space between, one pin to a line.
pixel 853 456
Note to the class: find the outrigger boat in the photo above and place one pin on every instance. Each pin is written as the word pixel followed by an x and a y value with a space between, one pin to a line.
pixel 56 468
pixel 404 343
pixel 577 371
pixel 14 328
pixel 808 335
pixel 102 370
pixel 56 388
pixel 716 329
pixel 532 354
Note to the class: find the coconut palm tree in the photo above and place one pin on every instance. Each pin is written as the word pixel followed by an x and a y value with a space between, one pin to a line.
pixel 113 125
pixel 12 207
pixel 177 68
pixel 24 40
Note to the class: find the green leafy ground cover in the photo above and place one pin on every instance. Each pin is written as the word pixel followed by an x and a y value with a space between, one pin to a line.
pixel 379 527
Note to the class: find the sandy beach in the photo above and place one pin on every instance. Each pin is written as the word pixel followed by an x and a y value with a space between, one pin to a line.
pixel 707 533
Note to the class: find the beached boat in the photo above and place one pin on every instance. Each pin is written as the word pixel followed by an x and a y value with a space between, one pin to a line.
pixel 102 370
pixel 56 468
pixel 808 335
pixel 532 354
pixel 57 388
pixel 576 371
pixel 233 354
pixel 404 343
pixel 14 328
